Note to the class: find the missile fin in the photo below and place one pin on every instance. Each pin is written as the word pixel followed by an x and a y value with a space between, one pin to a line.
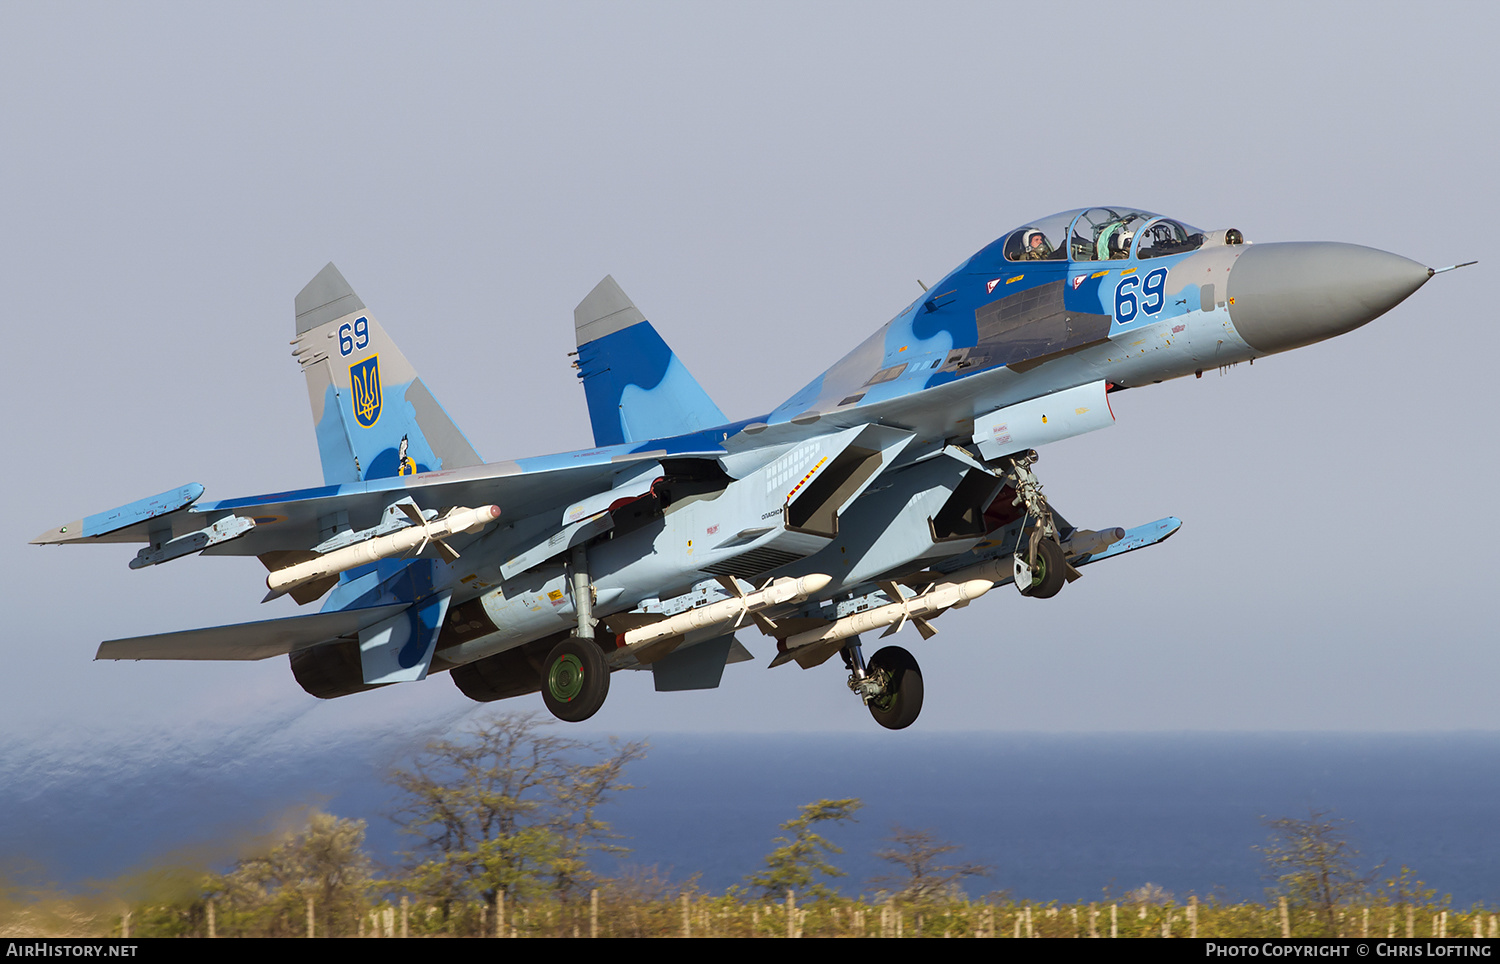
pixel 816 655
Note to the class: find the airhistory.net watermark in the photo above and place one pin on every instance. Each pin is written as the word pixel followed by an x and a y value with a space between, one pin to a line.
pixel 45 948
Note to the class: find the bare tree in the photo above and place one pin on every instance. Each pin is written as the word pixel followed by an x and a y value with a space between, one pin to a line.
pixel 1149 894
pixel 508 809
pixel 1314 865
pixel 921 877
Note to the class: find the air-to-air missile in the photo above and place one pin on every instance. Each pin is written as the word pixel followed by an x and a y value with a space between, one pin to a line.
pixel 414 537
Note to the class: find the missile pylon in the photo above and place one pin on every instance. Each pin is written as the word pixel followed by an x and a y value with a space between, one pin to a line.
pixel 783 590
pixel 415 536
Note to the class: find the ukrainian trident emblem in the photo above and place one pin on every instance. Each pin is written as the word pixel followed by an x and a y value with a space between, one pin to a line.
pixel 365 380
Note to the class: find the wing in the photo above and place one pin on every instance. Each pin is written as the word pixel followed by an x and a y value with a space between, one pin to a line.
pixel 257 640
pixel 174 524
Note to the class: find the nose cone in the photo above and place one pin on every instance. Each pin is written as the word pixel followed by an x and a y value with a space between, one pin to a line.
pixel 1288 295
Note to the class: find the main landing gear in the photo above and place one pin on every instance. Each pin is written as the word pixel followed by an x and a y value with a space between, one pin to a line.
pixel 575 679
pixel 1041 569
pixel 575 676
pixel 890 685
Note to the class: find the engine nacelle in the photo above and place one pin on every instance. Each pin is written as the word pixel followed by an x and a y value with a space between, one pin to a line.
pixel 514 672
pixel 331 670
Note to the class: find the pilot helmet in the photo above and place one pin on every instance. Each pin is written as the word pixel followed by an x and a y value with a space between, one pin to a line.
pixel 1031 233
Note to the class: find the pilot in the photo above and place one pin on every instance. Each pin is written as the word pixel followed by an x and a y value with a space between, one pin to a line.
pixel 1114 242
pixel 1034 246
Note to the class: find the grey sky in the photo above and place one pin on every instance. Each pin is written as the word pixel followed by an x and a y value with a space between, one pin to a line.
pixel 767 182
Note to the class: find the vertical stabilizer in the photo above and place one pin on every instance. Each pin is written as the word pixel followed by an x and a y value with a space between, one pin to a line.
pixel 373 416
pixel 637 388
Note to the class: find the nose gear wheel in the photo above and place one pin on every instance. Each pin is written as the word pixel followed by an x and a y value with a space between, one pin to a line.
pixel 900 701
pixel 891 685
pixel 1041 568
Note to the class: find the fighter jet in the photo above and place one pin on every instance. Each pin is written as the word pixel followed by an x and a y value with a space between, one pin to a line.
pixel 897 485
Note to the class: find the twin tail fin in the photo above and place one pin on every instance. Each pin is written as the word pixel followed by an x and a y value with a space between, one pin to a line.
pixel 637 388
pixel 373 416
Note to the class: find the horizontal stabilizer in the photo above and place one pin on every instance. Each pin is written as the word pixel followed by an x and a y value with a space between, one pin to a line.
pixel 257 640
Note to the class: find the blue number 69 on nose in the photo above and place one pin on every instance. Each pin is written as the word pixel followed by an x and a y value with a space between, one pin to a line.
pixel 1149 301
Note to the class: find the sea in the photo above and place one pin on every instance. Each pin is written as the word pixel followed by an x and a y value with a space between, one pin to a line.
pixel 1049 817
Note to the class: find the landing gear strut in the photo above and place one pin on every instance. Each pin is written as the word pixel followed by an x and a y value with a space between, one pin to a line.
pixel 1041 569
pixel 575 677
pixel 891 685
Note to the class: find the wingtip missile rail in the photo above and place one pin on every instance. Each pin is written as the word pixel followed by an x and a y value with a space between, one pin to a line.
pixel 1086 542
pixel 414 537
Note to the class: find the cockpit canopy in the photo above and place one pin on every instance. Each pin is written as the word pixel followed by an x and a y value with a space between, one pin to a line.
pixel 1101 234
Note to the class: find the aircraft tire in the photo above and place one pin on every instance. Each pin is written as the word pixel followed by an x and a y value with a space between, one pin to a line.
pixel 899 708
pixel 575 680
pixel 1049 574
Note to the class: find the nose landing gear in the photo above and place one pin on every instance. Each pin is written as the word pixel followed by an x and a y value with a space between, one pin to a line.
pixel 1041 569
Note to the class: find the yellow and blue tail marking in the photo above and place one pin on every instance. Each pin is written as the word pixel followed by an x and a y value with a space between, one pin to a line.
pixel 365 380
